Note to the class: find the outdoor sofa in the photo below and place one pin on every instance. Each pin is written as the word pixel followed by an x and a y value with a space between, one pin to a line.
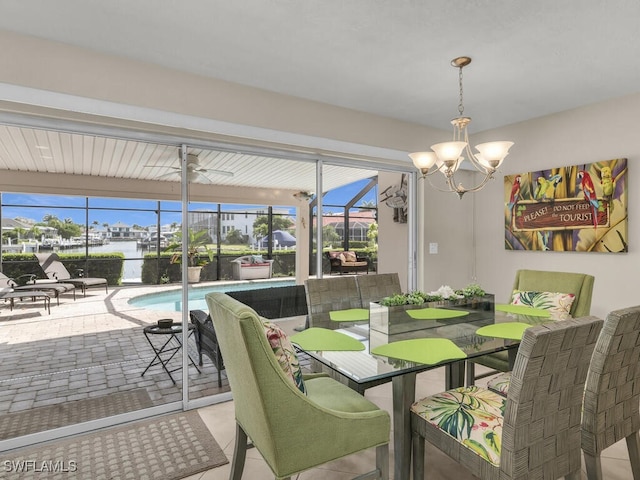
pixel 252 267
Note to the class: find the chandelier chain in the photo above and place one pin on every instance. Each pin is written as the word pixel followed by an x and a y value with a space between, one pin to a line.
pixel 461 104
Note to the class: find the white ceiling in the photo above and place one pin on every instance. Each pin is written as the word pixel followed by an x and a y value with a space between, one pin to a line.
pixel 388 57
pixel 46 151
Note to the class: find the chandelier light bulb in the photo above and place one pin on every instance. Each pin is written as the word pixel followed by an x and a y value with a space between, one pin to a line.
pixel 423 160
pixel 449 152
pixel 493 153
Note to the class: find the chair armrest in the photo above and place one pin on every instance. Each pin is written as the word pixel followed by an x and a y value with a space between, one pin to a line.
pixel 25 279
pixel 79 272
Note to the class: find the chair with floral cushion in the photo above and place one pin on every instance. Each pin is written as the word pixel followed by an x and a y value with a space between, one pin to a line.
pixel 541 289
pixel 611 410
pixel 534 432
pixel 296 421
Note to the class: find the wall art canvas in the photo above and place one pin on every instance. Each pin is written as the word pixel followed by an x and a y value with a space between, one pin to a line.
pixel 581 208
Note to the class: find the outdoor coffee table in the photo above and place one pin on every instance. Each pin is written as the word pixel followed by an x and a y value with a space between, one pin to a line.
pixel 169 348
pixel 33 294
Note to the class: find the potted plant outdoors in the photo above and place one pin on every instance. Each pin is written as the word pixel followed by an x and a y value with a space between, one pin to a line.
pixel 198 244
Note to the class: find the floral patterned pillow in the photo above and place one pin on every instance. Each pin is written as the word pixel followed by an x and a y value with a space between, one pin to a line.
pixel 285 354
pixel 471 415
pixel 559 303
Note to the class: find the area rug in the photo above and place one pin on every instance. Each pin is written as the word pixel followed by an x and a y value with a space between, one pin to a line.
pixel 167 447
pixel 40 419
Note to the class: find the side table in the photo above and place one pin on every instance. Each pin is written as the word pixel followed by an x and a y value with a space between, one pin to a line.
pixel 169 348
pixel 33 294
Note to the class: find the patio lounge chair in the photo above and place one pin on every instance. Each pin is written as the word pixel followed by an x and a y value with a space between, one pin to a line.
pixel 55 289
pixel 55 271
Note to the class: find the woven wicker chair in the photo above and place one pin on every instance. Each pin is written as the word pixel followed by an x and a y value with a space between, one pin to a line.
pixel 325 295
pixel 374 288
pixel 612 392
pixel 532 433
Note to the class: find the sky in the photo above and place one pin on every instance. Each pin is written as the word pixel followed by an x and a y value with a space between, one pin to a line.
pixel 132 211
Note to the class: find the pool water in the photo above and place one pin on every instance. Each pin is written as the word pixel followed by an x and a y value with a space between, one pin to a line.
pixel 172 300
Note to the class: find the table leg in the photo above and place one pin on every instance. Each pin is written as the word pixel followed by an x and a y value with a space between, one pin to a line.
pixel 404 392
pixel 454 375
pixel 158 352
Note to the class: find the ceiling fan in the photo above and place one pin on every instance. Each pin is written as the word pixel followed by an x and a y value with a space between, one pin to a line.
pixel 194 170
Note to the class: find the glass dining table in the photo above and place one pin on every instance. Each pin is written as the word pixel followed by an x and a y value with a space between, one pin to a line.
pixel 399 343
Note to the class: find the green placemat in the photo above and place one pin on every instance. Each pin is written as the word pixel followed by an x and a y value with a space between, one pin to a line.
pixel 323 339
pixel 435 313
pixel 523 310
pixel 509 330
pixel 350 315
pixel 429 351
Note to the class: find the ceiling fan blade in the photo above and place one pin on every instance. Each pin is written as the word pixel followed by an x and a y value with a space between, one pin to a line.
pixel 161 166
pixel 168 175
pixel 218 172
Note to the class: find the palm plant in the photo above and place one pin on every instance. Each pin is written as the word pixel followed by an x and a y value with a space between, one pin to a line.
pixel 198 243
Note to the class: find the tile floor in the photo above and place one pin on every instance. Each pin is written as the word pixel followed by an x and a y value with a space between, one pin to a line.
pixel 99 321
pixel 219 418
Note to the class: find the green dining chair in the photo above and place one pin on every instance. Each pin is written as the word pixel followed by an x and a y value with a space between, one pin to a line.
pixel 293 430
pixel 579 284
pixel 533 432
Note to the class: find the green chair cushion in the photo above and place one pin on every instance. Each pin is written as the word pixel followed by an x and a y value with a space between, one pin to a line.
pixel 508 330
pixel 323 339
pixel 435 313
pixel 328 393
pixel 428 351
pixel 523 310
pixel 350 315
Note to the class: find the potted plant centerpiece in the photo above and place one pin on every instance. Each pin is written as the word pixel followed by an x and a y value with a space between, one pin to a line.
pixel 389 314
pixel 197 246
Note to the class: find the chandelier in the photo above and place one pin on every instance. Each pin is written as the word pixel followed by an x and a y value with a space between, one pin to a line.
pixel 447 158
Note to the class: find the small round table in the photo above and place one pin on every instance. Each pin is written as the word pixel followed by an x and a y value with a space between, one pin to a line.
pixel 170 347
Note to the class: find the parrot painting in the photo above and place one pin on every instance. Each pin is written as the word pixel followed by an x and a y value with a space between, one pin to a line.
pixel 589 192
pixel 546 188
pixel 515 192
pixel 606 180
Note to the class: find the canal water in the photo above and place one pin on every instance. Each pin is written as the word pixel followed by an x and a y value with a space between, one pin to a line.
pixel 132 253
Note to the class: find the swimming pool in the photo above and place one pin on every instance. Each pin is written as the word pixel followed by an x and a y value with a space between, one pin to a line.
pixel 172 299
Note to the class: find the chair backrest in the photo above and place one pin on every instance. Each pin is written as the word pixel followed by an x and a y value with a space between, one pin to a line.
pixel 579 284
pixel 541 431
pixel 268 406
pixel 612 390
pixel 52 266
pixel 329 294
pixel 374 288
